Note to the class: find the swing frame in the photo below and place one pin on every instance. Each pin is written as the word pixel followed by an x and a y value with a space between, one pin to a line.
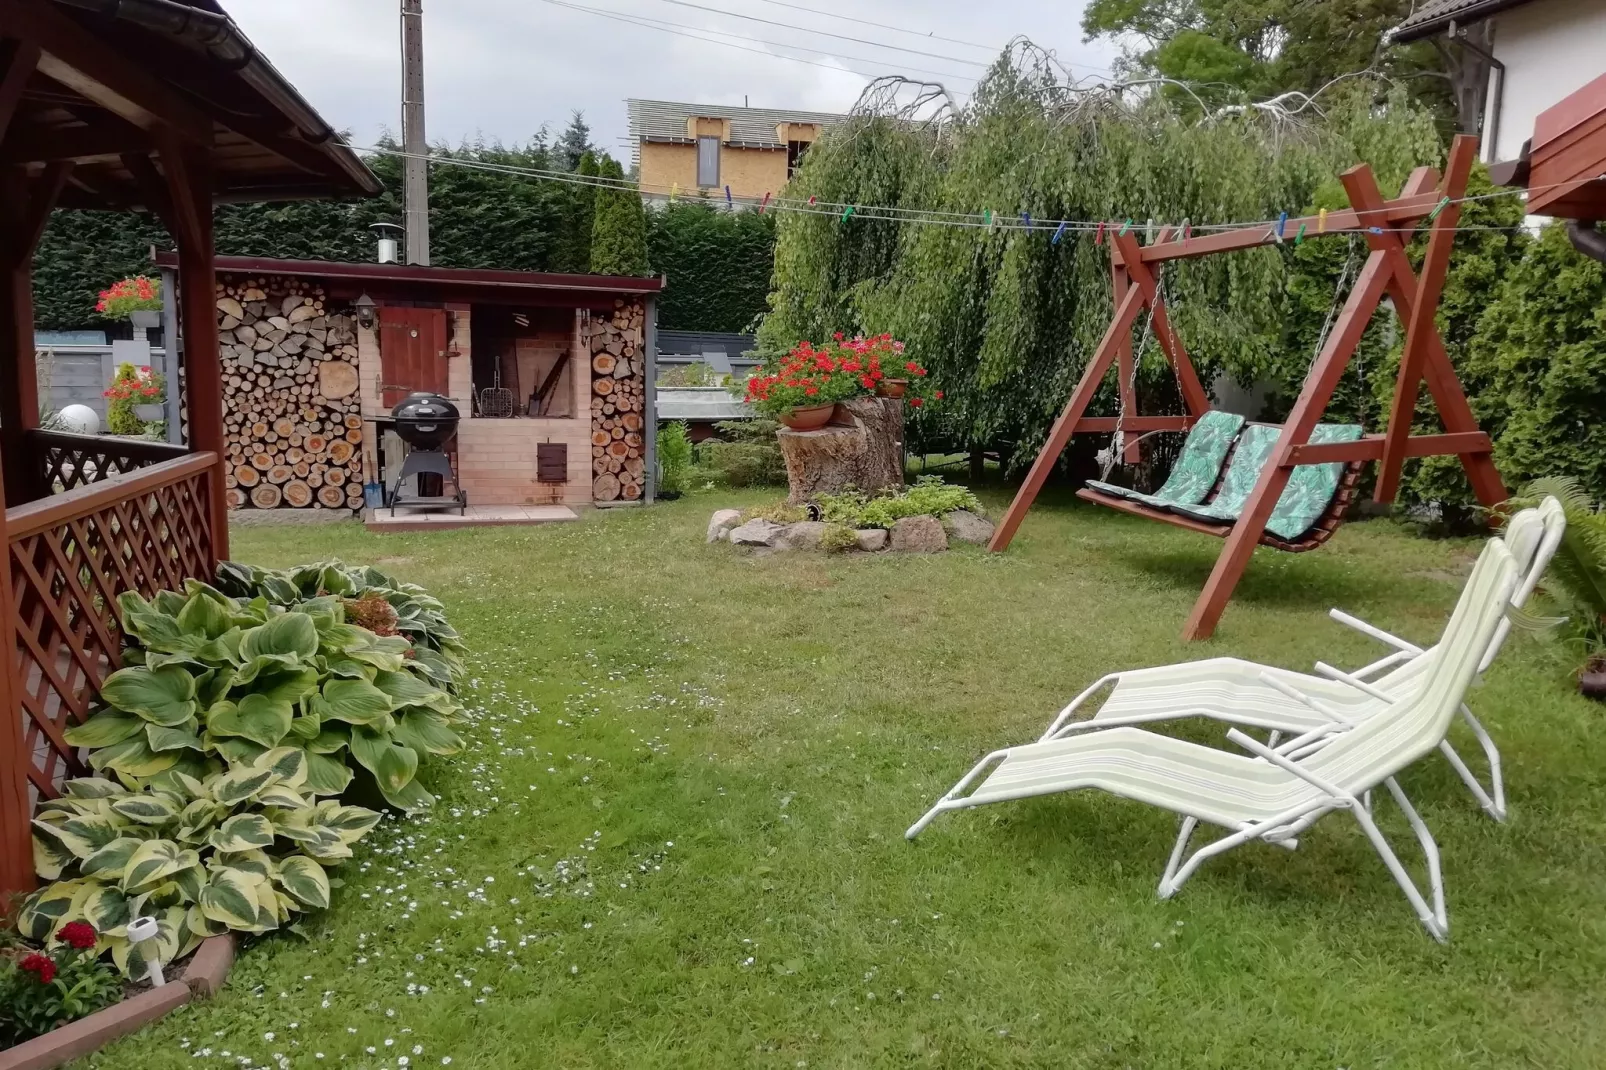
pixel 1386 272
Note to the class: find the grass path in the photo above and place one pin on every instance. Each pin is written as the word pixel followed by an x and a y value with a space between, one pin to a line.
pixel 676 839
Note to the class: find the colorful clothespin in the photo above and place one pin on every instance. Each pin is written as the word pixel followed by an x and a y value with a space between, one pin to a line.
pixel 1437 208
pixel 846 212
pixel 674 191
pixel 1126 226
pixel 1374 230
pixel 1282 224
pixel 1187 229
pixel 766 203
pixel 729 203
pixel 814 200
pixel 1299 239
pixel 1148 232
pixel 1321 221
pixel 987 218
pixel 1098 235
pixel 1059 232
pixel 1026 218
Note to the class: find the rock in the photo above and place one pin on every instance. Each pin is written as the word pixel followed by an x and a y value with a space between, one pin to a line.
pixel 919 535
pixel 803 535
pixel 721 523
pixel 872 539
pixel 758 532
pixel 966 526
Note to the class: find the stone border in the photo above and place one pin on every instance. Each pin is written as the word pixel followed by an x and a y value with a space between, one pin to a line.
pixel 202 978
pixel 924 534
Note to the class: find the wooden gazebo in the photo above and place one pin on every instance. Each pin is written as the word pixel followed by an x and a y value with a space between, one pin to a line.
pixel 160 105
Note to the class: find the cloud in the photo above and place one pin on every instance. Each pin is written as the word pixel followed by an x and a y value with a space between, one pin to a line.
pixel 500 69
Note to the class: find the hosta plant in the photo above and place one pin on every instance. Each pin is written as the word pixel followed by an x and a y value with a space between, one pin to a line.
pixel 417 615
pixel 242 850
pixel 214 682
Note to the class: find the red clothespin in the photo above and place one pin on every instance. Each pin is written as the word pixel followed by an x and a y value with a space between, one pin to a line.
pixel 766 203
pixel 1098 235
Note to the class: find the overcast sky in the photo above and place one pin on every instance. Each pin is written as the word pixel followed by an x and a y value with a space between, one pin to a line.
pixel 501 68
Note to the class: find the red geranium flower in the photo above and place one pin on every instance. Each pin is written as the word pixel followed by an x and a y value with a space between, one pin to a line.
pixel 916 402
pixel 78 934
pixel 40 965
pixel 938 395
pixel 869 383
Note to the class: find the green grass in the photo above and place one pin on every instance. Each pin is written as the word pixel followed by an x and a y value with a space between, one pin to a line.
pixel 780 721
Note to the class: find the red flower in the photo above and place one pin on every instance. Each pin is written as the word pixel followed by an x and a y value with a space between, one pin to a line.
pixel 916 402
pixel 811 391
pixel 911 366
pixel 42 966
pixel 938 395
pixel 78 934
pixel 867 382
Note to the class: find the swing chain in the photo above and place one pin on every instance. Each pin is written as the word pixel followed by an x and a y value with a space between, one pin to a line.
pixel 1117 447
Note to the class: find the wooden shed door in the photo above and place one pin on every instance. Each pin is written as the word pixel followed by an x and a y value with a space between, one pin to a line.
pixel 412 352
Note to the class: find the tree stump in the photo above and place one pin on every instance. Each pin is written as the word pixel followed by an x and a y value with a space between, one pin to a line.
pixel 866 454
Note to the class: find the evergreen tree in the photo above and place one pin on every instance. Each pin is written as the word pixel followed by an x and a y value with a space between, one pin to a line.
pixel 578 220
pixel 720 262
pixel 574 143
pixel 619 233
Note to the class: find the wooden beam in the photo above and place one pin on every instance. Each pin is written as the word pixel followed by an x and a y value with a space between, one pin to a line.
pixel 1308 408
pixel 1370 448
pixel 1106 424
pixel 190 182
pixel 16 840
pixel 1193 392
pixel 99 72
pixel 1421 323
pixel 95 141
pixel 1126 397
pixel 1120 327
pixel 18 59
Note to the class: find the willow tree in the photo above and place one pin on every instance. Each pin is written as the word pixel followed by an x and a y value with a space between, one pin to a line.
pixel 1006 316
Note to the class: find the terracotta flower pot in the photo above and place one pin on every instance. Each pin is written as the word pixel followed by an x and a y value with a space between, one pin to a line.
pixel 891 388
pixel 808 417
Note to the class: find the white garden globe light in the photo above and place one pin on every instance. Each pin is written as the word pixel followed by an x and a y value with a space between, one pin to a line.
pixel 80 420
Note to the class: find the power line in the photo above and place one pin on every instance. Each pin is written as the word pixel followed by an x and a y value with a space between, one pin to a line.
pixel 695 33
pixel 824 33
pixel 881 25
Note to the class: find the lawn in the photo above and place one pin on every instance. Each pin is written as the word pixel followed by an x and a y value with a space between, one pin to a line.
pixel 676 837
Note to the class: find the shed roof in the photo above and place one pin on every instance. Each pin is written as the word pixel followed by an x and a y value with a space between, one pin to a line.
pixel 435 283
pixel 116 77
pixel 663 120
pixel 1434 16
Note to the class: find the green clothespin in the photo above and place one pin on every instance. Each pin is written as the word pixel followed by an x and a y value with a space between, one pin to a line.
pixel 1299 239
pixel 1125 227
pixel 987 217
pixel 847 212
pixel 1437 208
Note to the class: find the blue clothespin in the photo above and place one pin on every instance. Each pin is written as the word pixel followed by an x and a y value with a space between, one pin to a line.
pixel 728 202
pixel 1059 232
pixel 1282 224
pixel 1026 217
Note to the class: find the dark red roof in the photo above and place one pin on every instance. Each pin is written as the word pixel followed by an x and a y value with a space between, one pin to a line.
pixel 409 275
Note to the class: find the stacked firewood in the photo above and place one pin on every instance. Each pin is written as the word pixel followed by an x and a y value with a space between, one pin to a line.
pixel 618 403
pixel 291 413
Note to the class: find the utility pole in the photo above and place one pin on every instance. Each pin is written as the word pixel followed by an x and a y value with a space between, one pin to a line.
pixel 415 172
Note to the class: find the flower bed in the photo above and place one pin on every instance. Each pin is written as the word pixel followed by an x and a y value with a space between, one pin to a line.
pixel 926 518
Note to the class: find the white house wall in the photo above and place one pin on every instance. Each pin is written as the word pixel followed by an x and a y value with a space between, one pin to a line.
pixel 1550 48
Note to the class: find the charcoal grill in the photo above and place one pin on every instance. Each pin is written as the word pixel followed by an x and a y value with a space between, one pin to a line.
pixel 426 422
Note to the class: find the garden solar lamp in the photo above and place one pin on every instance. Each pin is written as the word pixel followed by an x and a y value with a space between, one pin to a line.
pixel 143 931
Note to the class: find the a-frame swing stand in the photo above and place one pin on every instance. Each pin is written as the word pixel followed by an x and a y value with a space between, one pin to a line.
pixel 1386 225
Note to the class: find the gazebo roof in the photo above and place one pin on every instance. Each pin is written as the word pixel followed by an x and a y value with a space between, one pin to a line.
pixel 115 77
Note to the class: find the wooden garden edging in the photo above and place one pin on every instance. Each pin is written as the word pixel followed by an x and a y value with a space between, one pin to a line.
pixel 202 978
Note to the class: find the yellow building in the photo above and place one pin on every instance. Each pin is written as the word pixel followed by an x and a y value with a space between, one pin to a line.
pixel 705 148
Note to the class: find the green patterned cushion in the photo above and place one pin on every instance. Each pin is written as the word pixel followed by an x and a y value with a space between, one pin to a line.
pixel 1196 467
pixel 1311 487
pixel 1254 450
pixel 1302 502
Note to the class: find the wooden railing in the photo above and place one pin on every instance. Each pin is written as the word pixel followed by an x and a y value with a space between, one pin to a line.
pixel 69 461
pixel 72 554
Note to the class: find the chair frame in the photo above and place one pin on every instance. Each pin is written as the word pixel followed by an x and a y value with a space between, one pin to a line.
pixel 1386 225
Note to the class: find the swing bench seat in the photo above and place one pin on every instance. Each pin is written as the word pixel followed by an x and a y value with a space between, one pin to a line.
pixel 1240 470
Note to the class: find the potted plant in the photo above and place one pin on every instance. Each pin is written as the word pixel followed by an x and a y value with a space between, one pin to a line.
pixel 1575 583
pixel 133 400
pixel 137 299
pixel 803 388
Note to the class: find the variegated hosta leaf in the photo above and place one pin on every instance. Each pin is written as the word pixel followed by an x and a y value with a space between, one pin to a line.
pixel 242 832
pixel 155 859
pixel 332 738
pixel 133 757
pixel 237 751
pixel 425 730
pixel 288 633
pixel 241 784
pixel 183 737
pixel 289 762
pixel 134 960
pixel 198 820
pixel 258 717
pixel 306 881
pixel 304 729
pixel 196 921
pixel 164 696
pixel 204 616
pixel 410 797
pixel 106 908
pixel 354 702
pixel 90 787
pixel 406 689
pixel 351 823
pixel 148 808
pixel 45 910
pixel 110 861
pixel 105 728
pixel 283 795
pixel 82 835
pixel 327 847
pixel 326 775
pixel 254 863
pixel 229 899
pixel 50 857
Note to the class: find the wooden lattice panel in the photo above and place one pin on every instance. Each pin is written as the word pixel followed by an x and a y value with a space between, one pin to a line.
pixel 70 557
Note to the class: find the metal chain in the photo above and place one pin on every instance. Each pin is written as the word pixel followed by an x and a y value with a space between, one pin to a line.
pixel 1118 440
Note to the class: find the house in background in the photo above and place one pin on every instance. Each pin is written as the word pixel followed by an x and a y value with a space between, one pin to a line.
pixel 704 148
pixel 1538 52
